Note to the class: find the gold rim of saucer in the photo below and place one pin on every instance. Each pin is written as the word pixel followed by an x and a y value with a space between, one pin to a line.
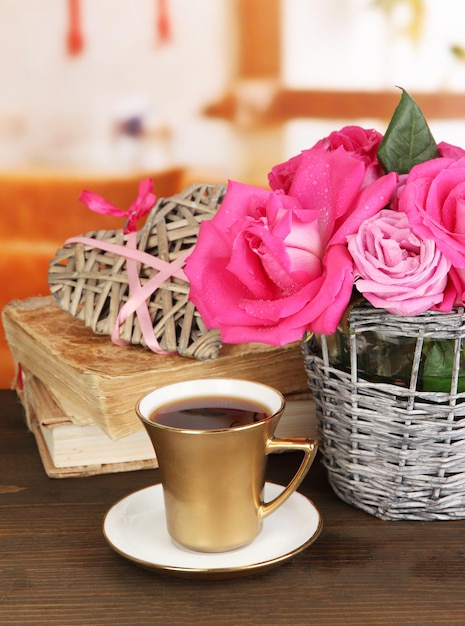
pixel 123 522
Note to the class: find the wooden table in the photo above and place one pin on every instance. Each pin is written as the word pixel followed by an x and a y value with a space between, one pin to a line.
pixel 57 569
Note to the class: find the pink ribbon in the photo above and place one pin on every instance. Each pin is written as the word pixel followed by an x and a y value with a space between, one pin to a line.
pixel 137 303
pixel 139 294
pixel 141 207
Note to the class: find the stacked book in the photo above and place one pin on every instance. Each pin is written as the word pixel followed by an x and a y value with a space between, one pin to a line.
pixel 79 390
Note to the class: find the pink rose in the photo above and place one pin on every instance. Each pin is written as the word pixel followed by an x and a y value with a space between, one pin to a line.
pixel 445 150
pixel 449 151
pixel 282 175
pixel 334 183
pixel 396 270
pixel 362 141
pixel 434 199
pixel 361 144
pixel 257 269
pixel 456 286
pixel 269 266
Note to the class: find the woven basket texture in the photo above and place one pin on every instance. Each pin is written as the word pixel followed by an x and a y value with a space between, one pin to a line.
pixel 92 284
pixel 393 451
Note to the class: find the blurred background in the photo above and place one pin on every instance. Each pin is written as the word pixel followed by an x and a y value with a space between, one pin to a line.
pixel 98 94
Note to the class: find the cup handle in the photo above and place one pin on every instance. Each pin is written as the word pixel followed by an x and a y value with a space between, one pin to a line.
pixel 309 447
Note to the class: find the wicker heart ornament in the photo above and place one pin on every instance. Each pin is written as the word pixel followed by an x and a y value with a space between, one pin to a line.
pixel 132 287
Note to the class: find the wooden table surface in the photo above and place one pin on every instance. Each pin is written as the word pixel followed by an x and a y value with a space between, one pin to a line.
pixel 57 569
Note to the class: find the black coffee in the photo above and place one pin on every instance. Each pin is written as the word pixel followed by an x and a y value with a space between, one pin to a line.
pixel 209 413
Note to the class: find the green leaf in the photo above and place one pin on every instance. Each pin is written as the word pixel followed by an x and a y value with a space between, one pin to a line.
pixel 440 359
pixel 408 140
pixel 438 366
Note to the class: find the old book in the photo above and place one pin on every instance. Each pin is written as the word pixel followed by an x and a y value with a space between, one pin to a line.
pixel 67 449
pixel 98 383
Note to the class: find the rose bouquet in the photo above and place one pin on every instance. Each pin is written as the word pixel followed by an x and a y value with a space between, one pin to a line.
pixel 359 243
pixel 358 214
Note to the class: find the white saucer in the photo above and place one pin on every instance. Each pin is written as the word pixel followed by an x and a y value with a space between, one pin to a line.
pixel 135 528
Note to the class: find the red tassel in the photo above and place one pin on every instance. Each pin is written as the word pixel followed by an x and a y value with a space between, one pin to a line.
pixel 163 22
pixel 75 40
pixel 20 378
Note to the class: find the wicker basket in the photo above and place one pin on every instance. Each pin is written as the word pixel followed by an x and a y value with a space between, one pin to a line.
pixel 395 450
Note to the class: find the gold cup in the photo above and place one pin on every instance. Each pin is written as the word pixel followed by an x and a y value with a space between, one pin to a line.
pixel 213 480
